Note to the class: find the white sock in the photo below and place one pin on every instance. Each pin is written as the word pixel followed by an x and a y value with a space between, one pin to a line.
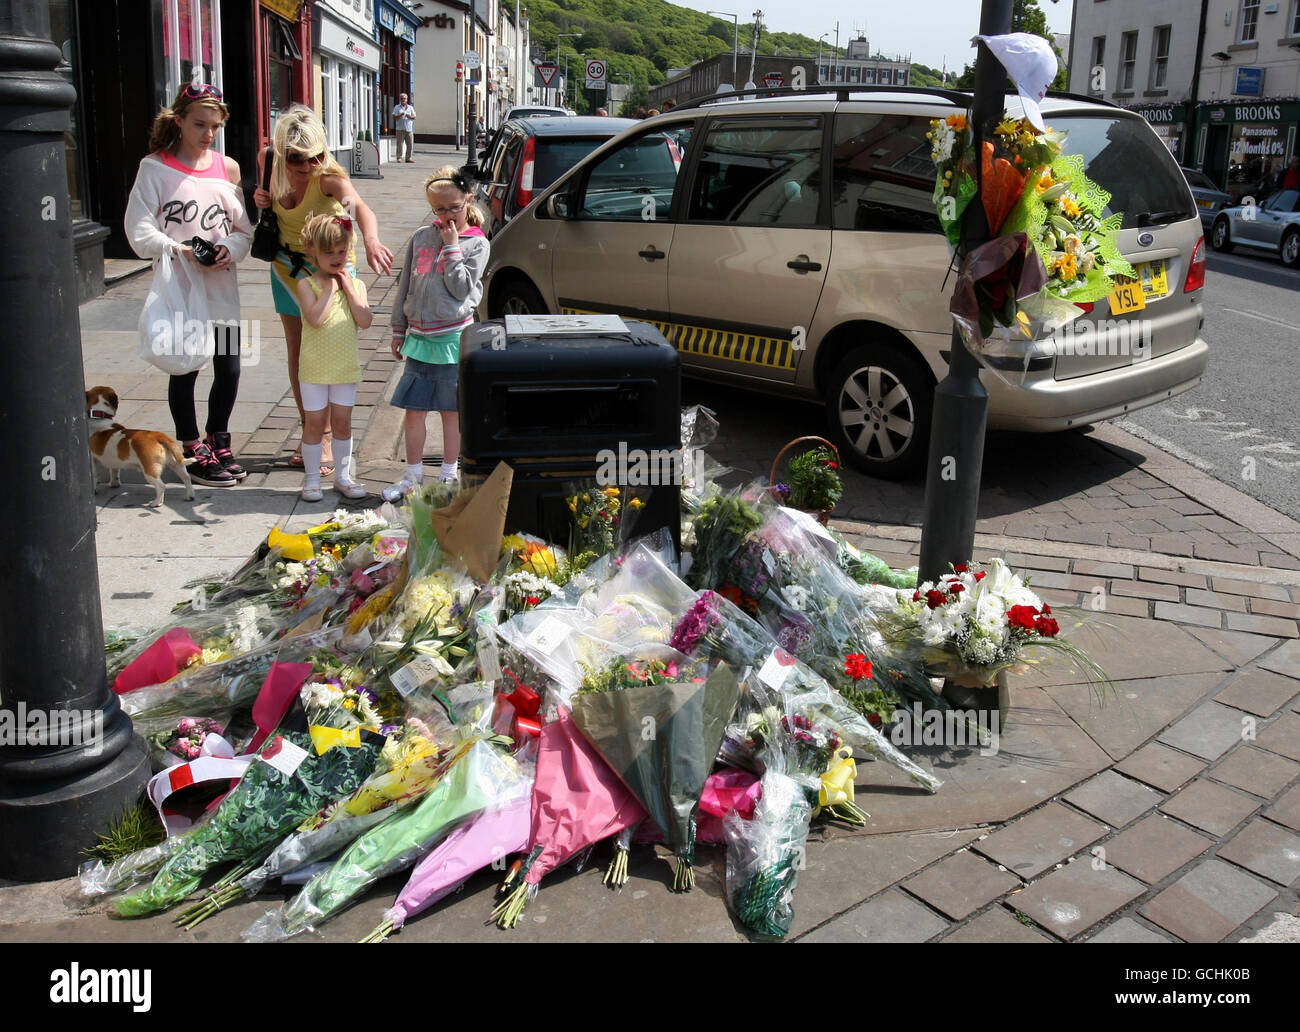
pixel 448 469
pixel 415 473
pixel 311 454
pixel 343 460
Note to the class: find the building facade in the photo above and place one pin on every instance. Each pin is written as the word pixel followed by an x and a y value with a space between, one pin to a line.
pixel 397 30
pixel 346 64
pixel 443 87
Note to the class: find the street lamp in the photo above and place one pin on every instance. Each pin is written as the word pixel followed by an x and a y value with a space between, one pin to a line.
pixel 735 44
pixel 753 53
pixel 558 37
pixel 819 56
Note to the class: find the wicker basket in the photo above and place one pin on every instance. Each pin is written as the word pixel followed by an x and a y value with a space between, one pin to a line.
pixel 823 515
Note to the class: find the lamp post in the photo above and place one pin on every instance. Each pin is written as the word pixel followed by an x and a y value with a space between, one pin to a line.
pixel 735 44
pixel 819 56
pixel 961 403
pixel 753 53
pixel 558 45
pixel 69 762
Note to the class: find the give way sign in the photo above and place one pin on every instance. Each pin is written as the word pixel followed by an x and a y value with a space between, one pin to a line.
pixel 546 72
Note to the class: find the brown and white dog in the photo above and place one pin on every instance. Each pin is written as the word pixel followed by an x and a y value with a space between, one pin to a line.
pixel 116 448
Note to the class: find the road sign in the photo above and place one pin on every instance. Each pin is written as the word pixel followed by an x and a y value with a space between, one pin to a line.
pixel 546 71
pixel 472 60
pixel 595 74
pixel 773 80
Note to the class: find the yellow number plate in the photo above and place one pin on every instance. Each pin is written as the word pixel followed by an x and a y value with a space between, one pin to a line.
pixel 1126 297
pixel 1131 295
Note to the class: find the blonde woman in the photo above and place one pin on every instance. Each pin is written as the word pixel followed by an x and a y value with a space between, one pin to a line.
pixel 184 190
pixel 307 181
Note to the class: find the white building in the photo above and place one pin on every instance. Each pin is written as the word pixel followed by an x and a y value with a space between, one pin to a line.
pixel 345 61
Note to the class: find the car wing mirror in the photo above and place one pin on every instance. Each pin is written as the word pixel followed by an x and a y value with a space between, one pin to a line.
pixel 559 206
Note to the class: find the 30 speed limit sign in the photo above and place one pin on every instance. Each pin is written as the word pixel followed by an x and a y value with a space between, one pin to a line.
pixel 595 74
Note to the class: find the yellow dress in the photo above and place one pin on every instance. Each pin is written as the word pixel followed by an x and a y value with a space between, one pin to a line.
pixel 329 351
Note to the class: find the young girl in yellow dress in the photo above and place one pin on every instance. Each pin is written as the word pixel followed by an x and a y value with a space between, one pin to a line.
pixel 334 308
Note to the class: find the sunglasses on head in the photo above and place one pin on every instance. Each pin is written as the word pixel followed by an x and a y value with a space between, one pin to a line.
pixel 194 91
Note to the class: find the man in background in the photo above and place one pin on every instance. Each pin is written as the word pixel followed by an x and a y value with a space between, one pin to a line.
pixel 405 115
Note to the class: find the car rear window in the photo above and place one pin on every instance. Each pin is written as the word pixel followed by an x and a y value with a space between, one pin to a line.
pixel 1198 180
pixel 1125 157
pixel 554 157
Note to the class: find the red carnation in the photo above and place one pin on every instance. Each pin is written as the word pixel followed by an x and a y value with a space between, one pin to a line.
pixel 934 598
pixel 980 575
pixel 1022 616
pixel 532 600
pixel 957 589
pixel 1046 626
pixel 960 568
pixel 1047 610
pixel 916 596
pixel 857 666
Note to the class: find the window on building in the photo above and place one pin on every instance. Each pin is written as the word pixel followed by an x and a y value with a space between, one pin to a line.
pixel 1248 23
pixel 1160 57
pixel 1128 60
pixel 1294 29
pixel 282 52
pixel 329 85
pixel 1098 55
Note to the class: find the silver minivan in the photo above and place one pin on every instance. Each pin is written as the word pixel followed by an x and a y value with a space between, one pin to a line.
pixel 790 246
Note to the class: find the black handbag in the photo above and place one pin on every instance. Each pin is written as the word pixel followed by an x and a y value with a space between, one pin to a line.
pixel 266 235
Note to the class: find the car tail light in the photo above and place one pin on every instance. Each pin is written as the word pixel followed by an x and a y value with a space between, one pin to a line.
pixel 525 195
pixel 1196 270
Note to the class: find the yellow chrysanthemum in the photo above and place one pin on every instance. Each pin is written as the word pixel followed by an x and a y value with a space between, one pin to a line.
pixel 1070 207
pixel 1067 266
pixel 1045 183
pixel 956 121
pixel 1008 127
pixel 611 492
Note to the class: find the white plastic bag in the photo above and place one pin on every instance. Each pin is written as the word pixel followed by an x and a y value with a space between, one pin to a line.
pixel 175 331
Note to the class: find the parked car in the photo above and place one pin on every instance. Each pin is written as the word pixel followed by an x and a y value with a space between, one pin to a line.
pixel 1210 200
pixel 536 111
pixel 792 248
pixel 1273 225
pixel 529 154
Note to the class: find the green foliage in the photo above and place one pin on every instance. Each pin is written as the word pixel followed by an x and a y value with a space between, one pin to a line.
pixel 137 829
pixel 814 480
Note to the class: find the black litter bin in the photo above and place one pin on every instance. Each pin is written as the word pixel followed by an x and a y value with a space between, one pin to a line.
pixel 564 407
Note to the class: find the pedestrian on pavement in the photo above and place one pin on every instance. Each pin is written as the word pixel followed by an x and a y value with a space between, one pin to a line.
pixel 440 287
pixel 405 115
pixel 602 112
pixel 334 308
pixel 1291 177
pixel 306 181
pixel 185 190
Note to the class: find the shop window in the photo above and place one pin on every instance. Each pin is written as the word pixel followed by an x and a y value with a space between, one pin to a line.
pixel 1295 19
pixel 1098 57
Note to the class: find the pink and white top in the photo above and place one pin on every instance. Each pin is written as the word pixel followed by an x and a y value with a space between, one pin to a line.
pixel 172 203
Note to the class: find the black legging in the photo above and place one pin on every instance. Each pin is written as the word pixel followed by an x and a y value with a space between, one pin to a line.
pixel 221 399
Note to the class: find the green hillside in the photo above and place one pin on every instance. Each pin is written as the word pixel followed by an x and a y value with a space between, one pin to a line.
pixel 645 38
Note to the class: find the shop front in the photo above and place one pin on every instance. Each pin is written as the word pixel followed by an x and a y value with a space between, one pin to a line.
pixel 1242 147
pixel 1170 123
pixel 284 65
pixel 349 62
pixel 396 38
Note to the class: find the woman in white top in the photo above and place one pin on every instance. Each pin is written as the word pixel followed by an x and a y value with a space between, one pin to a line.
pixel 185 190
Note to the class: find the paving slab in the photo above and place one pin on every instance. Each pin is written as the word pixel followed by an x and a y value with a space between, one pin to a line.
pixel 1137 711
pixel 1158 765
pixel 1266 849
pixel 1208 902
pixel 1041 753
pixel 1237 647
pixel 1070 901
pixel 996 925
pixel 1127 647
pixel 844 868
pixel 1282 736
pixel 1047 836
pixel 891 917
pixel 1284 660
pixel 1113 798
pixel 1287 809
pixel 1154 848
pixel 1128 930
pixel 1210 807
pixel 1208 731
pixel 961 884
pixel 1256 771
pixel 1259 692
